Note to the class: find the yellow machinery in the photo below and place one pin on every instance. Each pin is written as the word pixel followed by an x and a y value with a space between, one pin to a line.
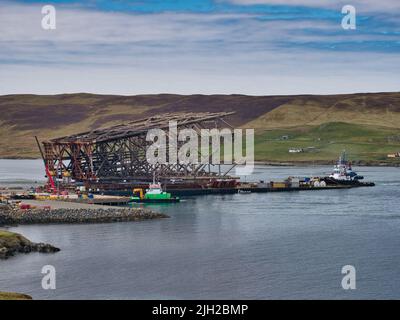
pixel 138 193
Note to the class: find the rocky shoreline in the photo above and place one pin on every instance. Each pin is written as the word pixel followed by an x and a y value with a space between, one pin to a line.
pixel 12 243
pixel 15 216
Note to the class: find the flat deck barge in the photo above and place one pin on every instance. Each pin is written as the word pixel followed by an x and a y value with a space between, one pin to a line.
pixel 239 189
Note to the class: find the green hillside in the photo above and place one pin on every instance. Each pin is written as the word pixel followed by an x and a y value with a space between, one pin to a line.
pixel 325 142
pixel 367 125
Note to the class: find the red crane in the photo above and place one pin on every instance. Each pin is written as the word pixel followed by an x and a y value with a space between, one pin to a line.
pixel 50 184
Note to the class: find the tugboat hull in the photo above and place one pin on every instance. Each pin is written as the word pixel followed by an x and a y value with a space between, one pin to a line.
pixel 169 200
pixel 332 181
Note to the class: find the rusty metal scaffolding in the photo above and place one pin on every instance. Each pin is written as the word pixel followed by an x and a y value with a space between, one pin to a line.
pixel 118 153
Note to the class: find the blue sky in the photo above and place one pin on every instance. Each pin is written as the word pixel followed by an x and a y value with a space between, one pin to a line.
pixel 200 46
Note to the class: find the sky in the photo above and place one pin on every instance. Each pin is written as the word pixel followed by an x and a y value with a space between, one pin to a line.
pixel 254 47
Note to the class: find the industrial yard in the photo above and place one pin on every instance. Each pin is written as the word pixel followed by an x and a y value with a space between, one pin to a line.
pixel 112 161
pixel 108 167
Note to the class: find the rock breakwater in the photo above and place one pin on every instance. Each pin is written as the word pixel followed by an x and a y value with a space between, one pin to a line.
pixel 15 216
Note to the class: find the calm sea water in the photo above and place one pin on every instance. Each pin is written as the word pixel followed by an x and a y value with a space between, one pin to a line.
pixel 244 246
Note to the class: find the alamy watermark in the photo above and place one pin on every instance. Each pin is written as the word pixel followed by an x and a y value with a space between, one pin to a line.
pixel 49 19
pixel 49 22
pixel 188 146
pixel 49 280
pixel 349 280
pixel 349 20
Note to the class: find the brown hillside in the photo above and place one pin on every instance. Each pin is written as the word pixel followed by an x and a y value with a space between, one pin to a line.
pixel 23 116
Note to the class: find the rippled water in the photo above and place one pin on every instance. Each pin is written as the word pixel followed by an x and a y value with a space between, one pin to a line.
pixel 243 246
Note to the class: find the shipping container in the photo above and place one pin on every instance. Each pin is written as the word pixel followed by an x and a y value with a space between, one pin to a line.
pixel 279 185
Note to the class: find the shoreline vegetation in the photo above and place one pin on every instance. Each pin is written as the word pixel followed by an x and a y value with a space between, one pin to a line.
pixel 14 296
pixel 12 243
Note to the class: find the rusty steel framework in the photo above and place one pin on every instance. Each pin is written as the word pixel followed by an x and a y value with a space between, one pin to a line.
pixel 119 152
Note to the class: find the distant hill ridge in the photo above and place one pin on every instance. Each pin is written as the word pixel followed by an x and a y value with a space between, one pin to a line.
pixel 23 116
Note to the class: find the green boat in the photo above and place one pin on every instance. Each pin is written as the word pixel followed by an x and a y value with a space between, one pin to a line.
pixel 154 194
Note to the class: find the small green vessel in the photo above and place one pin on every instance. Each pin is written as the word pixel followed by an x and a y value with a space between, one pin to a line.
pixel 153 194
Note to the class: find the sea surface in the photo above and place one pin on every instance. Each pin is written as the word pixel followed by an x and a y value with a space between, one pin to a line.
pixel 289 245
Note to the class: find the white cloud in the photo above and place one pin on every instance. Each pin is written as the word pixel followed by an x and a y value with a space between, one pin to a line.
pixel 181 53
pixel 309 74
pixel 361 5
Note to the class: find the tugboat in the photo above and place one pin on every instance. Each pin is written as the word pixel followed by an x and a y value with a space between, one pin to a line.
pixel 154 194
pixel 343 173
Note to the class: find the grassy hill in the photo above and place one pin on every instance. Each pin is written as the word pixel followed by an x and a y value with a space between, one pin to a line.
pixel 366 125
pixel 364 143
